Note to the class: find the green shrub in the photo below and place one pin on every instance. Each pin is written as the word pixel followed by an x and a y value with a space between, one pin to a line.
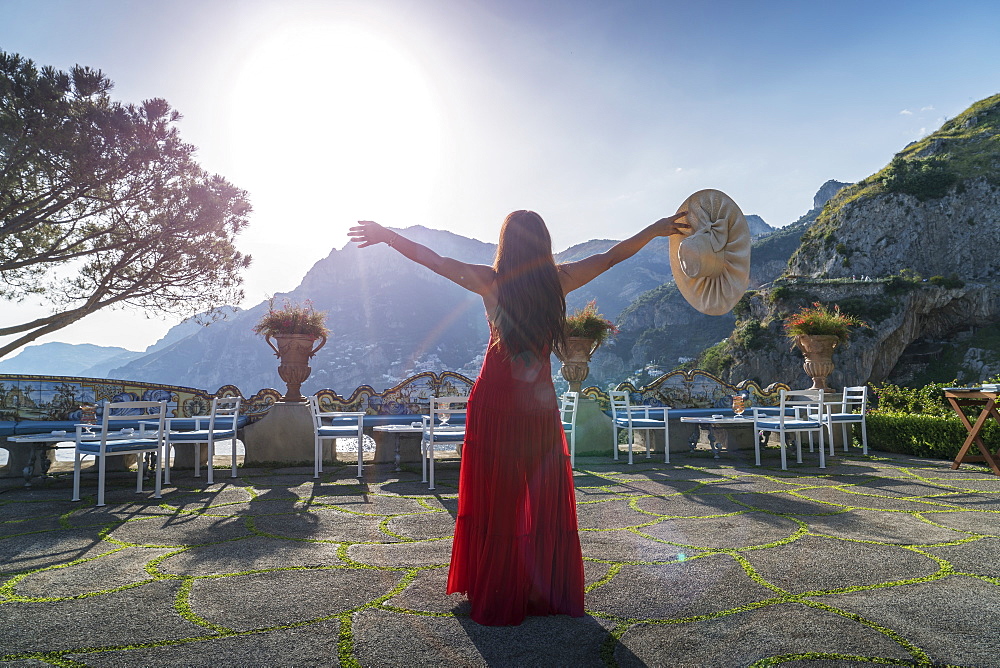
pixel 923 435
pixel 716 360
pixel 926 400
pixel 951 282
pixel 924 178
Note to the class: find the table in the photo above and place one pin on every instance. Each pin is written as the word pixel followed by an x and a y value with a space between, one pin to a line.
pixel 975 397
pixel 42 443
pixel 718 429
pixel 411 451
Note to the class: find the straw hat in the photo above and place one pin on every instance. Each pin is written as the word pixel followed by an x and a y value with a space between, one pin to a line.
pixel 711 261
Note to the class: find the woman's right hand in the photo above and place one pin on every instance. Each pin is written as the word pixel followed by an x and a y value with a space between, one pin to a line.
pixel 368 233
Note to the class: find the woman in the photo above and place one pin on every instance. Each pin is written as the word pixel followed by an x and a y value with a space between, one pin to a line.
pixel 516 550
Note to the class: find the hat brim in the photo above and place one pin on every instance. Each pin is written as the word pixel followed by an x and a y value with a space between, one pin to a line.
pixel 711 260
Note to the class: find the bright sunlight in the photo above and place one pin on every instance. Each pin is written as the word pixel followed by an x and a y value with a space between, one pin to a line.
pixel 342 121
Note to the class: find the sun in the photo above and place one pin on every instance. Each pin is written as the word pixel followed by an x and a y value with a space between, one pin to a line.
pixel 335 121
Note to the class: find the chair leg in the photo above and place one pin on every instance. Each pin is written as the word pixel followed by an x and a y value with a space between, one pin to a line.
pixel 317 456
pixel 76 477
pixel 210 446
pixel 756 445
pixel 614 441
pixel 233 451
pixel 784 445
pixel 430 457
pixel 100 480
pixel 864 437
pixel 166 463
pixel 361 457
pixel 822 449
pixel 197 459
pixel 572 448
pixel 159 476
pixel 630 437
pixel 140 470
pixel 666 444
pixel 798 446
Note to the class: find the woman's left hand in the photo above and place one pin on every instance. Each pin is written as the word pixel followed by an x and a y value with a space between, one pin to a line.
pixel 671 225
pixel 368 233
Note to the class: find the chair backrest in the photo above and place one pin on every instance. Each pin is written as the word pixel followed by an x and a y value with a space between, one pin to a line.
pixel 132 411
pixel 226 408
pixel 619 402
pixel 856 399
pixel 810 400
pixel 446 407
pixel 567 407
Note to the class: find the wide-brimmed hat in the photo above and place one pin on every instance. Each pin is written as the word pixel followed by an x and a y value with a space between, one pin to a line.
pixel 711 260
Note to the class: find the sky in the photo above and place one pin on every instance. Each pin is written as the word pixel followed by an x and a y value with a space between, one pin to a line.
pixel 601 116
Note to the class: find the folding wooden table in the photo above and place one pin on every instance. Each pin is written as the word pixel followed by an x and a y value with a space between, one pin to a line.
pixel 961 398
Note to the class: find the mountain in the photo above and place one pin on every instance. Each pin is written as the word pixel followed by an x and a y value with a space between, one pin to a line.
pixel 912 250
pixel 758 228
pixel 65 359
pixel 389 318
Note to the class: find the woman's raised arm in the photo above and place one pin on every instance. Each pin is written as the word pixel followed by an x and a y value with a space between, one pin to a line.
pixel 478 278
pixel 573 275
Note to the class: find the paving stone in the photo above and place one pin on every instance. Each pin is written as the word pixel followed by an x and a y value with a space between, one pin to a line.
pixel 833 564
pixel 250 554
pixel 689 505
pixel 626 546
pixel 93 621
pixel 977 557
pixel 743 638
pixel 324 523
pixel 423 525
pixel 408 555
pixel 702 586
pixel 108 571
pixel 882 527
pixel 786 503
pixel 27 552
pixel 611 514
pixel 746 529
pixel 968 522
pixel 248 601
pixel 181 530
pixel 857 499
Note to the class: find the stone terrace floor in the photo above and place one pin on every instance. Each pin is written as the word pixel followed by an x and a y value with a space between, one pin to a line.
pixel 701 562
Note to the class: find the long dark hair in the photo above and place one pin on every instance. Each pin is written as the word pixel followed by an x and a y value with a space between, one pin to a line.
pixel 532 308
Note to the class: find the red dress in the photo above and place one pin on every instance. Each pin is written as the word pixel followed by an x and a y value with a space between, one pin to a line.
pixel 516 550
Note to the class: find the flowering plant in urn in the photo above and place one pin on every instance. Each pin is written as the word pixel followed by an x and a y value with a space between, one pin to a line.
pixel 585 330
pixel 816 330
pixel 295 328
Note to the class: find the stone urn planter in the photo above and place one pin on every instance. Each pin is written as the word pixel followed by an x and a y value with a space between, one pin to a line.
pixel 576 360
pixel 294 352
pixel 818 352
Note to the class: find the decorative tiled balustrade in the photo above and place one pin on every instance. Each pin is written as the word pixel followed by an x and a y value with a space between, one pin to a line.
pixel 58 398
pixel 692 389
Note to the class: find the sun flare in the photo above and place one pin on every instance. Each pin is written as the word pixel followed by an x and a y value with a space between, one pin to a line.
pixel 343 121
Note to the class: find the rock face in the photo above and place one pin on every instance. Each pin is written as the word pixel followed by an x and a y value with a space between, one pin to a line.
pixel 874 236
pixel 920 311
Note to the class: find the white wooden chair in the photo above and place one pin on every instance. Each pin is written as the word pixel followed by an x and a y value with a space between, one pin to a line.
pixel 151 416
pixel 851 411
pixel 331 425
pixel 799 411
pixel 637 418
pixel 219 425
pixel 445 424
pixel 568 405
